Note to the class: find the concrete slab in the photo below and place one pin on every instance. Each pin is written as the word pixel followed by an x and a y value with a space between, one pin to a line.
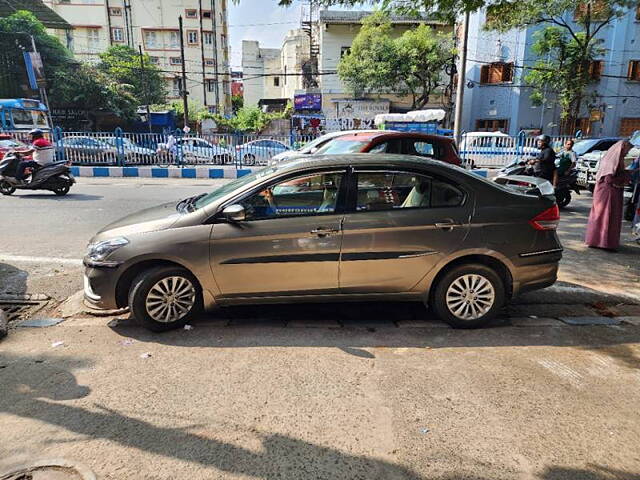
pixel 256 322
pixel 368 323
pixel 631 320
pixel 550 310
pixel 421 324
pixel 39 322
pixel 313 323
pixel 536 322
pixel 590 320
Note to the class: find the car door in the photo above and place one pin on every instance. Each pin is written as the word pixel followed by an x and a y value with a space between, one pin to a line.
pixel 398 226
pixel 290 241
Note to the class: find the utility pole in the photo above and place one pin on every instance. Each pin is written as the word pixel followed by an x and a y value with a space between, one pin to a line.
pixel 145 86
pixel 184 93
pixel 214 25
pixel 204 74
pixel 42 88
pixel 461 79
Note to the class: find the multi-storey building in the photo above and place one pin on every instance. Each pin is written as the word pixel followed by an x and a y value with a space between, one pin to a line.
pixel 274 73
pixel 497 96
pixel 153 25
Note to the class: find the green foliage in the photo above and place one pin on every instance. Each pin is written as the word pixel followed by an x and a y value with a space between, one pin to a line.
pixel 237 102
pixel 250 119
pixel 377 61
pixel 122 64
pixel 562 69
pixel 86 87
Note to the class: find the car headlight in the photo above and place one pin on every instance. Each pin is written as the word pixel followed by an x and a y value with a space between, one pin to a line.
pixel 99 251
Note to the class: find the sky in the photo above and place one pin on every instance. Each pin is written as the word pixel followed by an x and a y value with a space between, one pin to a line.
pixel 261 20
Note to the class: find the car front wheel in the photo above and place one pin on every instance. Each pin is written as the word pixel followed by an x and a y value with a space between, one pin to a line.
pixel 165 298
pixel 468 296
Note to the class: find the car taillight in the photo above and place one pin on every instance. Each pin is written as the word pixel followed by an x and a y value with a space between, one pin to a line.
pixel 547 220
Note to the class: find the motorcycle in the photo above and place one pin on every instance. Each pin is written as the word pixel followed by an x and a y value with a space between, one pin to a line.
pixel 55 177
pixel 566 183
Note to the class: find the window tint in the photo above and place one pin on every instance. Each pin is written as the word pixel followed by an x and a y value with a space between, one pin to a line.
pixel 421 148
pixel 444 194
pixel 309 195
pixel 394 190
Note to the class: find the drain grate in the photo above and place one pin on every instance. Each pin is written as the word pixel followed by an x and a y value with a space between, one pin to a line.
pixel 18 309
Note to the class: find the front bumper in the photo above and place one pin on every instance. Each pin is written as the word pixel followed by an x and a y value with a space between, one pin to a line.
pixel 100 286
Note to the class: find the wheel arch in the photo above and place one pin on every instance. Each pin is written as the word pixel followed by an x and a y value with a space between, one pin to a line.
pixel 123 286
pixel 500 265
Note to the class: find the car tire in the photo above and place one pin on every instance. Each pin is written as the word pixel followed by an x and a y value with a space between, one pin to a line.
pixel 486 292
pixel 249 159
pixel 148 309
pixel 6 188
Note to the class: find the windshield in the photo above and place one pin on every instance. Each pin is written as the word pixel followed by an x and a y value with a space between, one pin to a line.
pixel 343 146
pixel 112 141
pixel 583 146
pixel 10 144
pixel 314 143
pixel 231 186
pixel 41 119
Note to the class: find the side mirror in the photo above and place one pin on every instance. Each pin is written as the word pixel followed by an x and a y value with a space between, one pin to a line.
pixel 234 213
pixel 313 150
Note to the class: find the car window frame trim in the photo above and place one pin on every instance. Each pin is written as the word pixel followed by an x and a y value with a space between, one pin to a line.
pixel 340 201
pixel 351 206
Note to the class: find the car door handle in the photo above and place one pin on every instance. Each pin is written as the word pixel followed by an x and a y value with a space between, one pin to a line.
pixel 324 232
pixel 447 225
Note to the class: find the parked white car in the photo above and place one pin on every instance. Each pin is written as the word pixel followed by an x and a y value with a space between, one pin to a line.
pixel 259 152
pixel 492 149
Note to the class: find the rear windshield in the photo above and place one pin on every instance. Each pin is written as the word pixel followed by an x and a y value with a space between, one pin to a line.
pixel 343 146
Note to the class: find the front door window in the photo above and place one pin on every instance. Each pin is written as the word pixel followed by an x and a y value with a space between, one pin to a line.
pixel 308 195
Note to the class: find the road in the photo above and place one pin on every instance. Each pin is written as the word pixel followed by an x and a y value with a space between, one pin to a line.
pixel 316 391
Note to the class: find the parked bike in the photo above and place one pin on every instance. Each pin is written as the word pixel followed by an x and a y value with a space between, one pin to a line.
pixel 55 177
pixel 566 183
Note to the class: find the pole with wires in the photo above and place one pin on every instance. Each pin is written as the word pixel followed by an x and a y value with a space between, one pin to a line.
pixel 42 88
pixel 145 86
pixel 457 124
pixel 184 93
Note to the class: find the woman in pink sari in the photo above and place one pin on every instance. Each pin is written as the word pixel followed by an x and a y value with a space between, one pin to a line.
pixel 605 219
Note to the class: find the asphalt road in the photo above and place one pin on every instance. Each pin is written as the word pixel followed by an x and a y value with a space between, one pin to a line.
pixel 367 392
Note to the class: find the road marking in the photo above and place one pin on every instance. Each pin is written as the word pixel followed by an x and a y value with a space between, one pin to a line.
pixel 28 259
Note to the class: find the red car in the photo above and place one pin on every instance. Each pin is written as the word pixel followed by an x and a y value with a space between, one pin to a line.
pixel 7 142
pixel 435 147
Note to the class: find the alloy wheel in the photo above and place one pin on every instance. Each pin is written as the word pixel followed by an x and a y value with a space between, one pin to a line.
pixel 470 296
pixel 170 299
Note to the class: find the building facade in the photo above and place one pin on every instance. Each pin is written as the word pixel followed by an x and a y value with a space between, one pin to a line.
pixel 498 99
pixel 274 73
pixel 153 25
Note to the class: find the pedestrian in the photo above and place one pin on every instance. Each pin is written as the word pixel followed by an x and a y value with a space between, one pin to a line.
pixel 544 164
pixel 567 159
pixel 605 218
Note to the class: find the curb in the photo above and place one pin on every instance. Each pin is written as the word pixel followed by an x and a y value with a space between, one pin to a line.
pixel 162 172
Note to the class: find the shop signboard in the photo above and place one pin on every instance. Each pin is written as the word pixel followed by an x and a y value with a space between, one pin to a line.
pixel 307 101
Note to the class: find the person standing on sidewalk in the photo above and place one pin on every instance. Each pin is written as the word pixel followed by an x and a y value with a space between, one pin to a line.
pixel 605 218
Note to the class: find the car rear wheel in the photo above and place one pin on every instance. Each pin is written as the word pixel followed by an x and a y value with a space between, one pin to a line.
pixel 468 296
pixel 249 159
pixel 6 188
pixel 165 298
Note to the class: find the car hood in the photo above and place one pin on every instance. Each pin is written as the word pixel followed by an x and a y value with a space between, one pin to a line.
pixel 148 220
pixel 286 154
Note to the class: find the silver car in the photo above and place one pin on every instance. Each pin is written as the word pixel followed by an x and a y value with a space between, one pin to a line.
pixel 365 227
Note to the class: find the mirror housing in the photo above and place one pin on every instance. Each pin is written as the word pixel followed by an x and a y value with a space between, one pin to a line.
pixel 313 150
pixel 234 213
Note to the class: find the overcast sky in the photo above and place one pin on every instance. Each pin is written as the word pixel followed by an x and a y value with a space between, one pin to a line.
pixel 261 20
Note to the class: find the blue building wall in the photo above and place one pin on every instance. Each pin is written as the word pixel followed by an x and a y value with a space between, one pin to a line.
pixel 618 98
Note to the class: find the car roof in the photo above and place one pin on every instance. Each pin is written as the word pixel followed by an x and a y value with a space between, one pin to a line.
pixel 390 134
pixel 302 162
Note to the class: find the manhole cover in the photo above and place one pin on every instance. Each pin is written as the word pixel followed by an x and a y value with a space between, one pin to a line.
pixel 52 469
pixel 17 309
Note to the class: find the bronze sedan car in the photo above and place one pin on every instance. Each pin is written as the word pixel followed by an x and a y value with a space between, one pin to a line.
pixel 367 227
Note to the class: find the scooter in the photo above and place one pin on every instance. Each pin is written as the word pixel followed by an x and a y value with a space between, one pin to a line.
pixel 55 177
pixel 566 183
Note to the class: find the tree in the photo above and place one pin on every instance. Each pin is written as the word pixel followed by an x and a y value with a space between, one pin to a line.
pixel 564 70
pixel 122 64
pixel 411 64
pixel 237 102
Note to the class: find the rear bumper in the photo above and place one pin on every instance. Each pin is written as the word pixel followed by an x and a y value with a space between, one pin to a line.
pixel 536 272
